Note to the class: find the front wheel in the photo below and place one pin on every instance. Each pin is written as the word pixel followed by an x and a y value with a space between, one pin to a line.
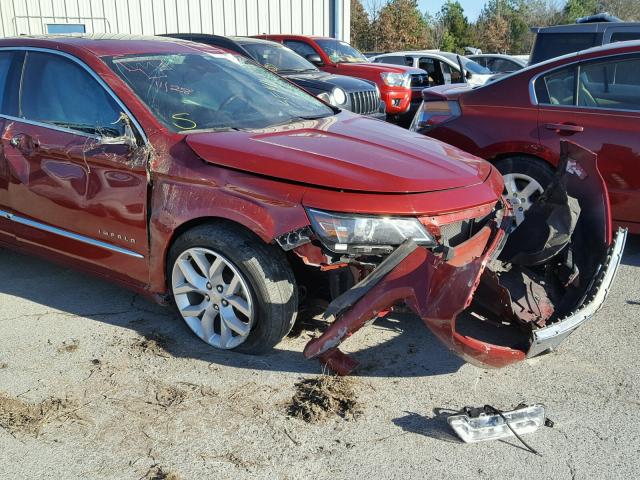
pixel 525 179
pixel 232 290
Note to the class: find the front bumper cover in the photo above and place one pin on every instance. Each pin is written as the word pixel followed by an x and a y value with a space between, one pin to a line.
pixel 439 287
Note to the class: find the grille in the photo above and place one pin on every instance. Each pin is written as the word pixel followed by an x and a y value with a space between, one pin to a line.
pixel 453 234
pixel 419 80
pixel 365 102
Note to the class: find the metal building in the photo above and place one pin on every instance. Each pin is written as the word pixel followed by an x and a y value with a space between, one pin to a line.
pixel 148 17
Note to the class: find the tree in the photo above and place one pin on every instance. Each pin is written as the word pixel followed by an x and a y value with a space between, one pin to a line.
pixel 400 26
pixel 360 26
pixel 575 9
pixel 456 25
pixel 627 10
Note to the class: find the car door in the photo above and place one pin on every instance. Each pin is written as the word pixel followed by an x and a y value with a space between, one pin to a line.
pixel 76 187
pixel 597 104
pixel 10 66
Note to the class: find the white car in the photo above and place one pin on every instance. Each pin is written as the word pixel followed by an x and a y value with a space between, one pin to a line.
pixel 442 67
pixel 499 63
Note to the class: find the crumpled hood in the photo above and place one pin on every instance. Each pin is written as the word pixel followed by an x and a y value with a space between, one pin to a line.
pixel 344 152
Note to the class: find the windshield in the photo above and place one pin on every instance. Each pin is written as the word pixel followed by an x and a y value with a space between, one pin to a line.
pixel 474 67
pixel 341 52
pixel 201 91
pixel 278 59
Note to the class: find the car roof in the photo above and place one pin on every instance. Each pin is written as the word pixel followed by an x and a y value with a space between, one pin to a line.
pixel 252 41
pixel 107 44
pixel 585 27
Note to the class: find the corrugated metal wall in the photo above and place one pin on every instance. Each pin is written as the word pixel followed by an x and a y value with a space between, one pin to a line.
pixel 148 17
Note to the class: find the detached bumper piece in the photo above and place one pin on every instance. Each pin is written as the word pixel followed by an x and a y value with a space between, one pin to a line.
pixel 522 289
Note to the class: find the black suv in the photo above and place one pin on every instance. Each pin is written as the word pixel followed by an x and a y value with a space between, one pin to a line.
pixel 587 32
pixel 354 94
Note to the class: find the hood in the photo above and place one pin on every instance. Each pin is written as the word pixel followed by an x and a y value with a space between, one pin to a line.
pixel 381 67
pixel 327 81
pixel 344 152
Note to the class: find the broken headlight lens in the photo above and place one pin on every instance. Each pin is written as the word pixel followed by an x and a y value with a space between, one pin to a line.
pixel 362 234
pixel 492 426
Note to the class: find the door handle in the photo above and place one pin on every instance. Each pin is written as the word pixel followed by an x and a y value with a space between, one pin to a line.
pixel 564 127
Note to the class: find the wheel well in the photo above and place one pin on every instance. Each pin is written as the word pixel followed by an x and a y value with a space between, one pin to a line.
pixel 503 156
pixel 196 222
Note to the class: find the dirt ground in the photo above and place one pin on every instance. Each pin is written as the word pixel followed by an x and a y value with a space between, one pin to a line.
pixel 96 382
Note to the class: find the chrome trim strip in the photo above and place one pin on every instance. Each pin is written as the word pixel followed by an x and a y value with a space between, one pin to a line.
pixel 90 72
pixel 66 234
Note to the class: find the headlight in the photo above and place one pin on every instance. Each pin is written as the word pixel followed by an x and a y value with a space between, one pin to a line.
pixel 361 234
pixel 339 96
pixel 396 79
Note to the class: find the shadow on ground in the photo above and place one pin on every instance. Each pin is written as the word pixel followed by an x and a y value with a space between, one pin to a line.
pixel 58 290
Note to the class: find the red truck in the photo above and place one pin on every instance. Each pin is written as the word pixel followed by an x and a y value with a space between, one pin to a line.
pixel 400 86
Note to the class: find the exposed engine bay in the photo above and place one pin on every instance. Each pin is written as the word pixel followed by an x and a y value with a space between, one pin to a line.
pixel 506 293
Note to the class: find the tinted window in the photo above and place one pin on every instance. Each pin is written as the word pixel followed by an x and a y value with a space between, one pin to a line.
pixel 624 36
pixel 550 45
pixel 614 84
pixel 301 48
pixel 557 87
pixel 396 60
pixel 428 65
pixel 501 65
pixel 278 58
pixel 57 90
pixel 200 91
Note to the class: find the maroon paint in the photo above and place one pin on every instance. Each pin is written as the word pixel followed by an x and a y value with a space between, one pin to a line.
pixel 494 125
pixel 185 189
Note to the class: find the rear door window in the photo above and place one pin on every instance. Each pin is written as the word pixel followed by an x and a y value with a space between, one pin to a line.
pixel 612 84
pixel 557 87
pixel 60 92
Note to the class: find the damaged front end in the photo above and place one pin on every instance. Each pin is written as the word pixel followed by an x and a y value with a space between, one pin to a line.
pixel 506 293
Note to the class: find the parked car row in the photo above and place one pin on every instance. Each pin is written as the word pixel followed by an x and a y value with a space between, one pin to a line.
pixel 196 176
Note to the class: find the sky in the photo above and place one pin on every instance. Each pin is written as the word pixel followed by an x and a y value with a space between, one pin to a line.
pixel 472 8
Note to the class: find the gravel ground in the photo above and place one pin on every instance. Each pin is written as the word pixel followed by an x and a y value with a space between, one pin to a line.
pixel 96 382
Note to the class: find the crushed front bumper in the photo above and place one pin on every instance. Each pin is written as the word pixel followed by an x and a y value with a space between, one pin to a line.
pixel 548 338
pixel 439 287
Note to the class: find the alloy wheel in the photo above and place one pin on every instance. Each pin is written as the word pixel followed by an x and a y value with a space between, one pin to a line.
pixel 212 297
pixel 521 191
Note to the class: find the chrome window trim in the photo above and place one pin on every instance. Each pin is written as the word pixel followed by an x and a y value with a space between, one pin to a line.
pixel 532 89
pixel 93 74
pixel 50 126
pixel 64 233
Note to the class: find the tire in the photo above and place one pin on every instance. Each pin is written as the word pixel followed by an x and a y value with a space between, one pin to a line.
pixel 266 282
pixel 525 179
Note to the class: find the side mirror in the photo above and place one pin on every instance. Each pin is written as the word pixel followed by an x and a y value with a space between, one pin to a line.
pixel 128 138
pixel 315 59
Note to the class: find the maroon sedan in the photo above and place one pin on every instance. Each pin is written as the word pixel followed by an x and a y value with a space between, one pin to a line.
pixel 517 122
pixel 197 177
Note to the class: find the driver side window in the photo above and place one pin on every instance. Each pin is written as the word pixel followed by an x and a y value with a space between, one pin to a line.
pixel 58 91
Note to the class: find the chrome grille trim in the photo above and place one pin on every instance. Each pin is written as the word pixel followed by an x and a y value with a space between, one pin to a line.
pixel 364 102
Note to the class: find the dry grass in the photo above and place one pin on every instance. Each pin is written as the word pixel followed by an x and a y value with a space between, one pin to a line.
pixel 319 398
pixel 70 346
pixel 18 416
pixel 156 472
pixel 153 344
